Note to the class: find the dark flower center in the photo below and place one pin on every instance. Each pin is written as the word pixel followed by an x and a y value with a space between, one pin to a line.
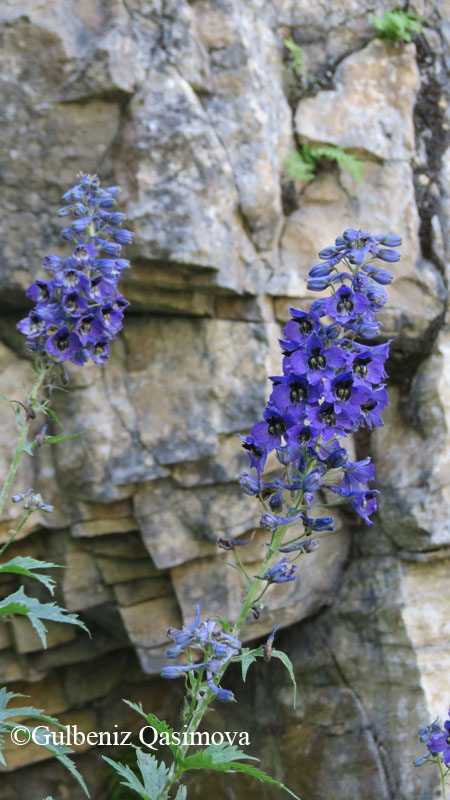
pixel 345 305
pixel 327 416
pixel 360 366
pixel 304 437
pixel 52 329
pixel 317 360
pixel 62 342
pixel 106 314
pixel 369 405
pixel 297 393
pixel 343 390
pixel 44 293
pixel 305 326
pixel 255 451
pixel 85 326
pixel 71 304
pixel 99 349
pixel 276 426
pixel 71 278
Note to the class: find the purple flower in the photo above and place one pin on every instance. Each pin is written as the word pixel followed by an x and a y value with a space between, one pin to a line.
pixel 281 572
pixel 316 361
pixel 79 311
pixel 346 305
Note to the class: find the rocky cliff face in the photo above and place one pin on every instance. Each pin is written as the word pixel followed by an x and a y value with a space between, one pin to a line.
pixel 186 105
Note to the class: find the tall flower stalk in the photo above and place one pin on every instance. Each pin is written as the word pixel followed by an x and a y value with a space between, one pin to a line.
pixel 76 314
pixel 331 384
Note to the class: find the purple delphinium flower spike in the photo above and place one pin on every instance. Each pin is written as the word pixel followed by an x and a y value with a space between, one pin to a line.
pixel 79 311
pixel 331 385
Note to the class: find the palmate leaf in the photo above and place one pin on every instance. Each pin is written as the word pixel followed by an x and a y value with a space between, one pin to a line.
pixel 154 775
pixel 221 758
pixel 25 565
pixel 159 725
pixel 20 603
pixel 9 718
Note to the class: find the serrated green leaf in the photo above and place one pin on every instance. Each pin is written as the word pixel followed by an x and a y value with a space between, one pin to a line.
pixel 154 773
pixel 204 760
pixel 131 781
pixel 8 714
pixel 289 666
pixel 181 794
pixel 223 753
pixel 159 725
pixel 20 603
pixel 25 565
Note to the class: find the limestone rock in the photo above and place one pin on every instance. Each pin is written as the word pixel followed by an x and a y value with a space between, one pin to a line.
pixel 371 108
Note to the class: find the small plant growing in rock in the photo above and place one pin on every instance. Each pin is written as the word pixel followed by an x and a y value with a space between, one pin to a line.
pixel 302 164
pixel 437 742
pixel 77 314
pixel 398 25
pixel 296 75
pixel 331 384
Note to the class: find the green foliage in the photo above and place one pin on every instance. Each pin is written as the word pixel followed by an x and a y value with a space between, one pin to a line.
pixel 159 725
pixel 11 717
pixel 20 603
pixel 301 164
pixel 247 658
pixel 296 75
pixel 297 55
pixel 398 25
pixel 222 758
pixel 115 789
pixel 288 664
pixel 25 565
pixel 153 774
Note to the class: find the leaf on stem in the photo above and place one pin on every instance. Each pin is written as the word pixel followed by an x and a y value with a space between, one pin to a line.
pixel 25 565
pixel 153 773
pixel 221 758
pixel 247 658
pixel 20 603
pixel 8 721
pixel 159 725
pixel 288 664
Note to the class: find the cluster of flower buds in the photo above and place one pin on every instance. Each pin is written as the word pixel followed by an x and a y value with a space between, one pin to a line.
pixel 437 741
pixel 79 311
pixel 32 501
pixel 216 646
pixel 332 384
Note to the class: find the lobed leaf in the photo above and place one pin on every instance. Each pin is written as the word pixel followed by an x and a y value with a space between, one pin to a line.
pixel 20 603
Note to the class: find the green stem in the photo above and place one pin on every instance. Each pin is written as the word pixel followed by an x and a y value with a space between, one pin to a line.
pixel 16 531
pixel 24 428
pixel 444 790
pixel 203 702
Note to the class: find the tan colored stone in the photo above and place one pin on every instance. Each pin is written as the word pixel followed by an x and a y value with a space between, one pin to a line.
pixel 137 591
pixel 371 108
pixel 147 622
pixel 26 639
pixel 102 527
pixel 82 584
